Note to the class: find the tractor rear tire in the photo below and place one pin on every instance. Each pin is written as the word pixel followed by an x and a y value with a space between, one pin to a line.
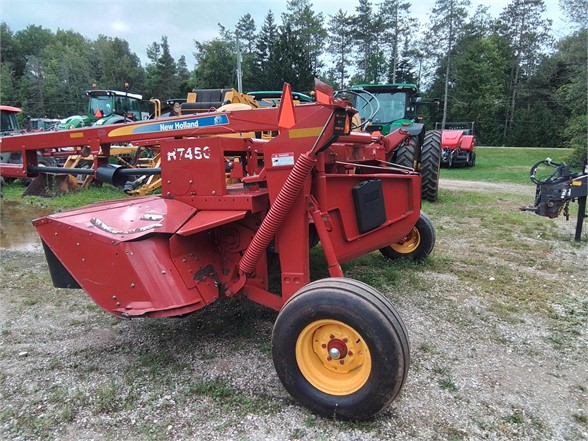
pixel 416 245
pixel 471 159
pixel 407 153
pixel 430 165
pixel 341 349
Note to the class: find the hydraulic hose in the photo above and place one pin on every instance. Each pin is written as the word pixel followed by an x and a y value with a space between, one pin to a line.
pixel 278 212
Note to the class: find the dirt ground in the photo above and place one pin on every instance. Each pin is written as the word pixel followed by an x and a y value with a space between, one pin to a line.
pixel 499 351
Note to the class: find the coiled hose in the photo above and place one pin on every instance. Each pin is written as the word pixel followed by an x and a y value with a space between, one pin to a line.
pixel 278 212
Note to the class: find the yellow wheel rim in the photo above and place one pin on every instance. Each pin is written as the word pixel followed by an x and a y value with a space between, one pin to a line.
pixel 409 243
pixel 333 357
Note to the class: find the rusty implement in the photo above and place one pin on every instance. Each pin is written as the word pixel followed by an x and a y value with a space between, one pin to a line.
pixel 339 346
pixel 51 185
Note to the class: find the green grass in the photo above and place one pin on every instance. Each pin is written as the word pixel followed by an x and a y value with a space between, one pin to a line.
pixel 14 191
pixel 505 164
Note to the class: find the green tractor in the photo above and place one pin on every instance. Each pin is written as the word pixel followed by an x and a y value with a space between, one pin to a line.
pixel 386 107
pixel 106 107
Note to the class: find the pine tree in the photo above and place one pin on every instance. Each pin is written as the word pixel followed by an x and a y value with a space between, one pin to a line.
pixel 446 27
pixel 266 41
pixel 395 25
pixel 246 31
pixel 340 44
pixel 301 20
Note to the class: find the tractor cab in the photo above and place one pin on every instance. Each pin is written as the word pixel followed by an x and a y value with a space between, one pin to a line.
pixel 8 122
pixel 9 126
pixel 112 106
pixel 385 107
pixel 106 107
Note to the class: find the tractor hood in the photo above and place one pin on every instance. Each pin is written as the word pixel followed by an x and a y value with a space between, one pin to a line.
pixel 73 122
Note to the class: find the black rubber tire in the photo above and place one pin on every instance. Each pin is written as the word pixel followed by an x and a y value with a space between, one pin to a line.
pixel 430 165
pixel 471 159
pixel 43 161
pixel 380 327
pixel 406 154
pixel 425 232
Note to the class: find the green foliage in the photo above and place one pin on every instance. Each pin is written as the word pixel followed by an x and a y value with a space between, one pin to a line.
pixel 340 40
pixel 216 61
pixel 480 78
pixel 290 62
pixel 496 71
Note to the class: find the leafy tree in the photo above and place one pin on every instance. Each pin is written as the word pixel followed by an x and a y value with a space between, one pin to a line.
pixel 67 73
pixel 184 77
pixel 113 65
pixel 8 57
pixel 480 81
pixel 364 27
pixel 245 31
pixel 522 23
pixel 30 41
pixel 215 64
pixel 576 11
pixel 572 93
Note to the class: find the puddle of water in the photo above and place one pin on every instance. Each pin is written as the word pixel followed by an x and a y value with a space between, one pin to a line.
pixel 16 230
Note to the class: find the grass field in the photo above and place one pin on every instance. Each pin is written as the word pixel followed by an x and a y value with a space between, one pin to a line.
pixel 505 164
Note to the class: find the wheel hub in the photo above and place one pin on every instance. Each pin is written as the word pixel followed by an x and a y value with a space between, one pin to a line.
pixel 337 349
pixel 333 357
pixel 409 243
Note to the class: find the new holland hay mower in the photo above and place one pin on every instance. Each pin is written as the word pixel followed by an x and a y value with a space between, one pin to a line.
pixel 338 345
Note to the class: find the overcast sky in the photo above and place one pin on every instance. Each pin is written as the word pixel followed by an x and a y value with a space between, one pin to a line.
pixel 183 21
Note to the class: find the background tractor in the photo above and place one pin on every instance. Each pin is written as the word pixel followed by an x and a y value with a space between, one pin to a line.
pixel 385 107
pixel 106 107
pixel 9 126
pixel 457 143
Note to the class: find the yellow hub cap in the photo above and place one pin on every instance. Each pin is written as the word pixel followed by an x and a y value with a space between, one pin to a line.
pixel 409 243
pixel 333 357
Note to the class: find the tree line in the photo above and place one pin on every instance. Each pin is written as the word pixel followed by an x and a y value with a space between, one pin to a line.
pixel 508 73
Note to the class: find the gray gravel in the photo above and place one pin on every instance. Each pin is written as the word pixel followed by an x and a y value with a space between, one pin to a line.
pixel 487 363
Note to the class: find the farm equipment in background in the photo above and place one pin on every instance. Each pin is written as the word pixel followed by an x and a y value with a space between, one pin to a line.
pixel 9 126
pixel 458 143
pixel 271 98
pixel 385 107
pixel 338 345
pixel 206 100
pixel 107 107
pixel 41 124
pixel 557 189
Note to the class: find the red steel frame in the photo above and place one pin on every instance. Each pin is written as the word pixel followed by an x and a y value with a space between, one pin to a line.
pixel 202 238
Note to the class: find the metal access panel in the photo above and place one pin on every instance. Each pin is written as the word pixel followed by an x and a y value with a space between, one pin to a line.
pixel 370 210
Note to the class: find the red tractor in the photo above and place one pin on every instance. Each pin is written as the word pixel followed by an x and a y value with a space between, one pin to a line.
pixel 457 144
pixel 338 345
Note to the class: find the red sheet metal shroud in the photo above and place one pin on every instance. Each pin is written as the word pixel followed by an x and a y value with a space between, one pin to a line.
pixel 126 256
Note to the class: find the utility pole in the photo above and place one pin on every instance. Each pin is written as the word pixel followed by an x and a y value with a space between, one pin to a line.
pixel 239 71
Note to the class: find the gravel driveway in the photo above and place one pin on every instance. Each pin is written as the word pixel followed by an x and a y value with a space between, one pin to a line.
pixel 499 348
